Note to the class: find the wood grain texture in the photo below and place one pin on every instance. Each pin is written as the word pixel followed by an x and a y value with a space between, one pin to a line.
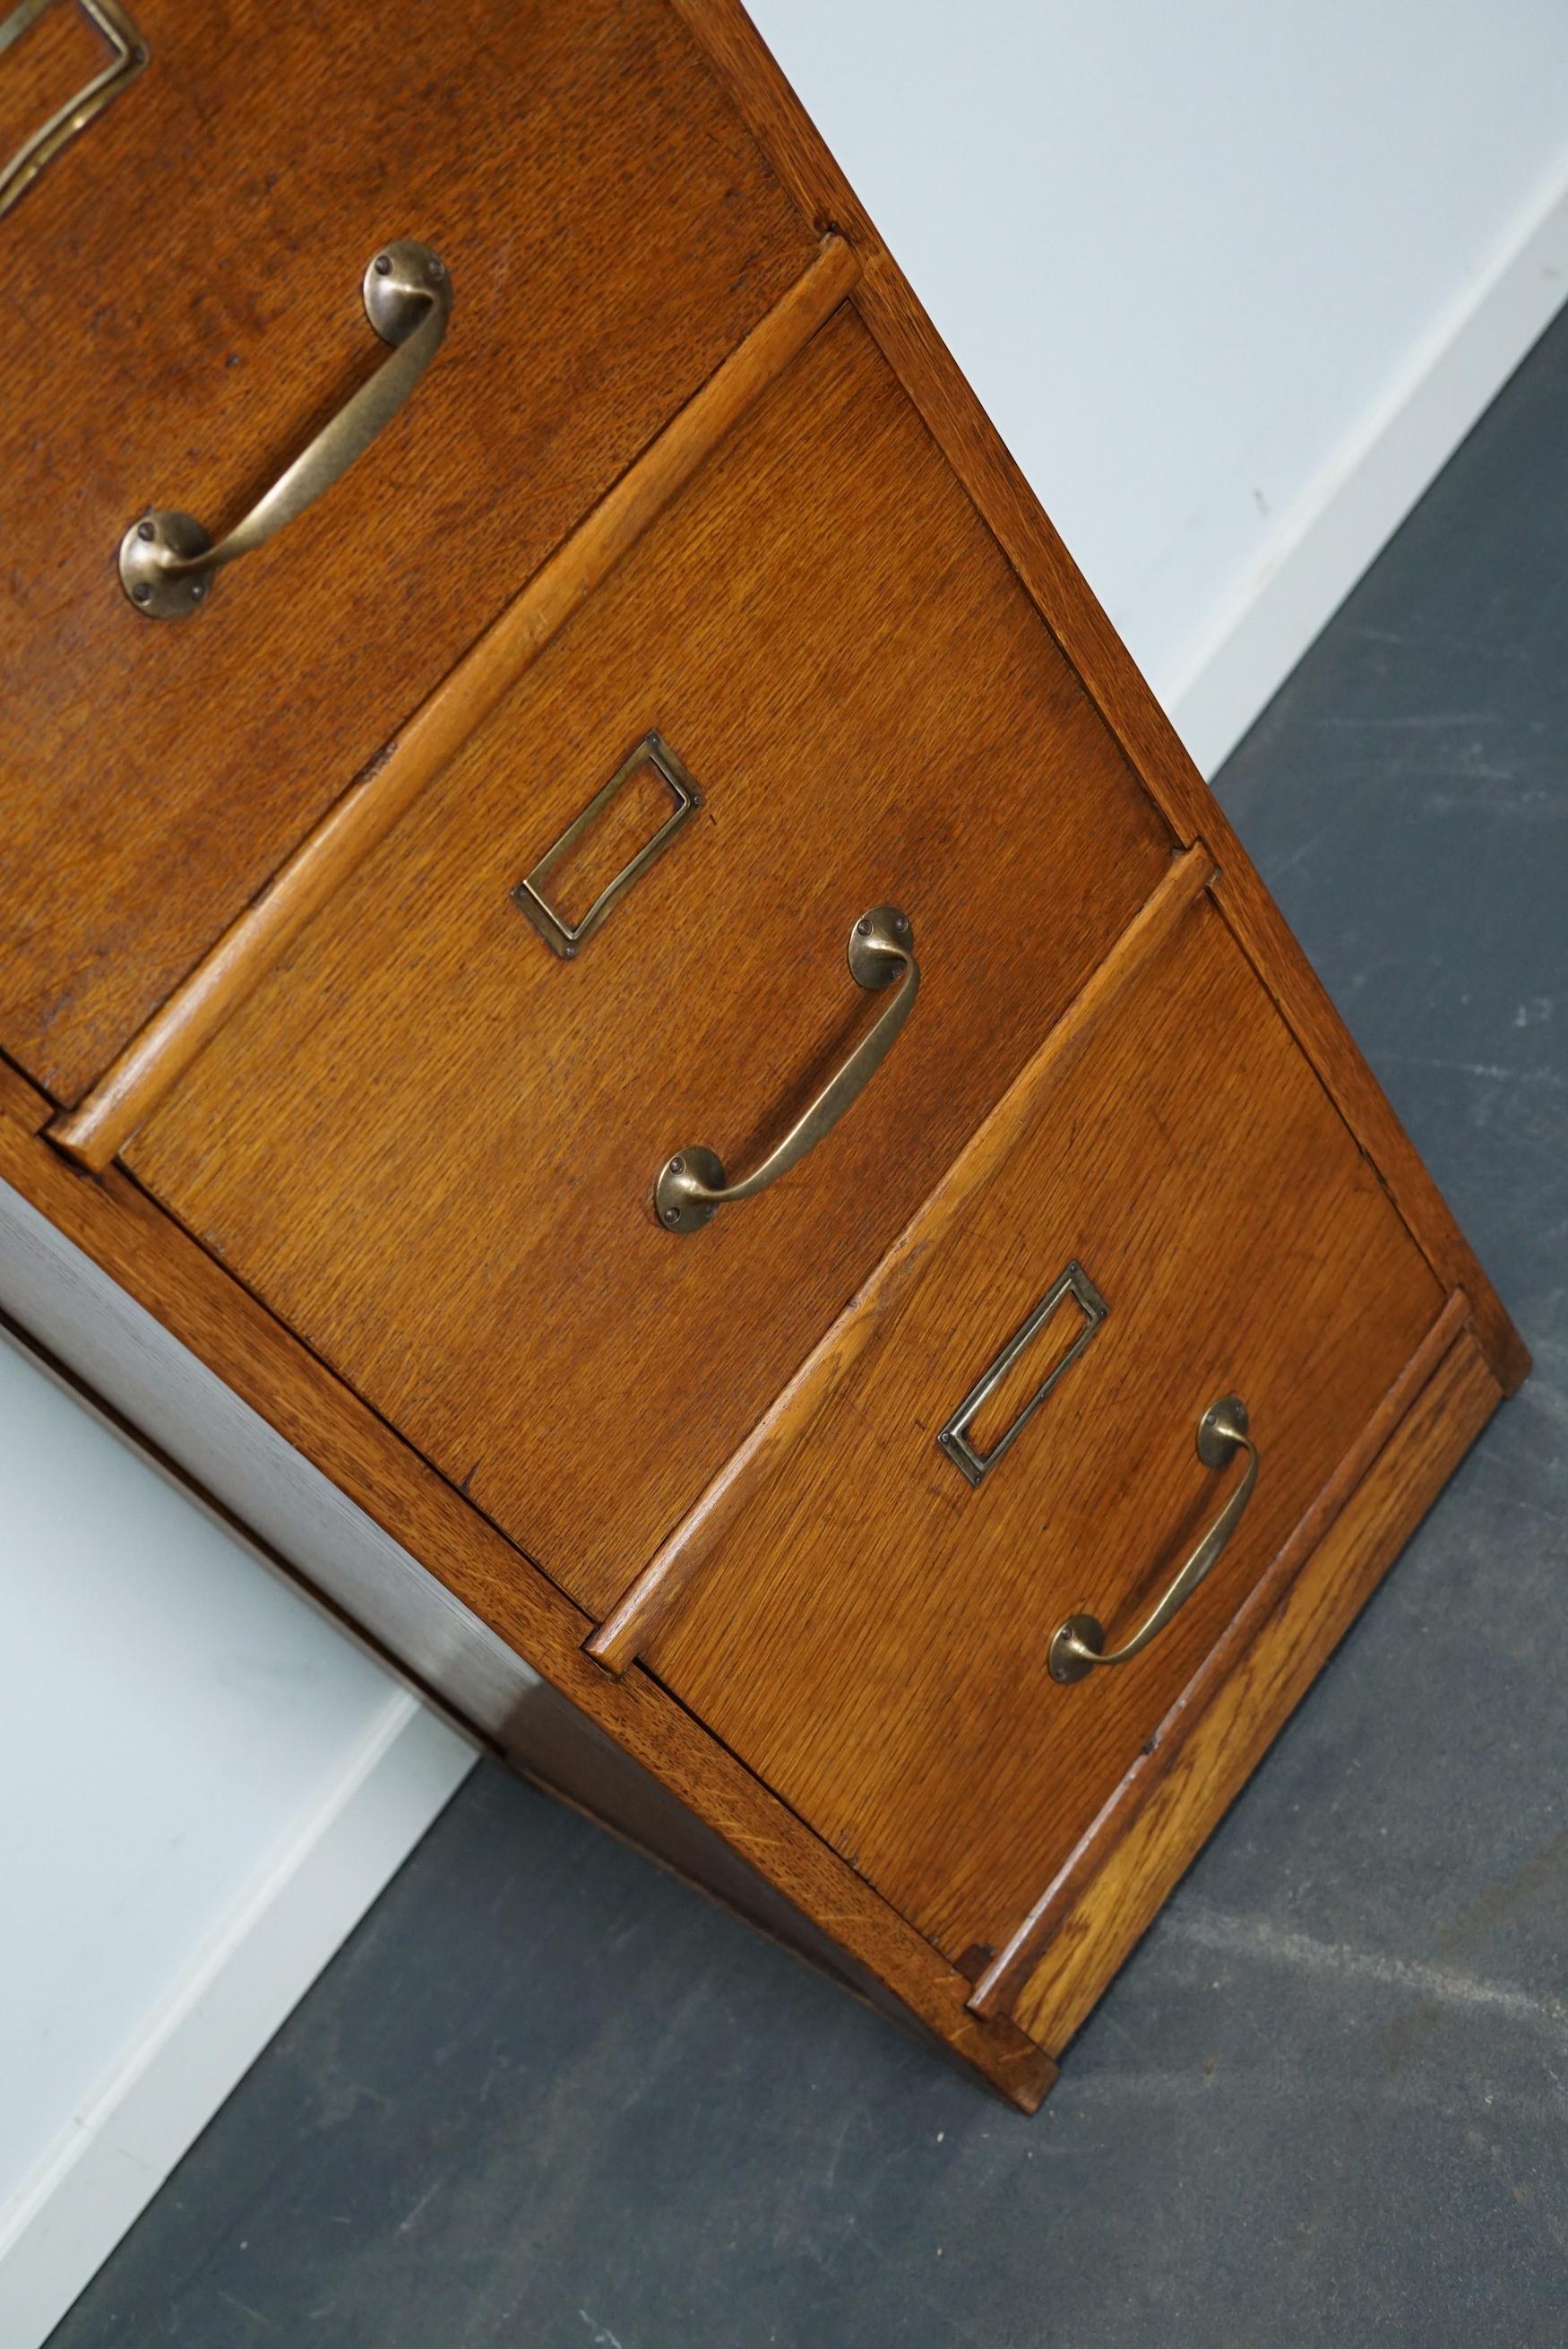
pixel 1317 1027
pixel 98 1129
pixel 430 1145
pixel 969 439
pixel 874 1638
pixel 952 412
pixel 465 1610
pixel 657 1592
pixel 1281 1645
pixel 611 230
pixel 21 1102
pixel 559 1749
pixel 996 1988
pixel 514 1714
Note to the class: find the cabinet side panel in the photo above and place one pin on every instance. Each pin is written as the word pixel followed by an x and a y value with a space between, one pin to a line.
pixel 60 1297
pixel 58 1231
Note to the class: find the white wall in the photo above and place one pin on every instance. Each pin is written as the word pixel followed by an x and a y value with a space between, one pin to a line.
pixel 170 1710
pixel 178 1735
pixel 1232 280
pixel 1201 262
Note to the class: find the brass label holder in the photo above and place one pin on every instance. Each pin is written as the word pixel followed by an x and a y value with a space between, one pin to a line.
pixel 562 937
pixel 953 1438
pixel 18 172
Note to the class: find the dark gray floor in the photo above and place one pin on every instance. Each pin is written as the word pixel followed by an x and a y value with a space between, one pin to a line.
pixel 548 2098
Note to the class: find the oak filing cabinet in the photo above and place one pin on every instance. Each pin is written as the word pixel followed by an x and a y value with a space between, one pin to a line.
pixel 625 1026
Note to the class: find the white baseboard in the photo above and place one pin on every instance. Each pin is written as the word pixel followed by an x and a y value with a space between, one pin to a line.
pixel 1321 546
pixel 218 2014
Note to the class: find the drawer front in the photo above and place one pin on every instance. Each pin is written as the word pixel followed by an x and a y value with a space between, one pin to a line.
pixel 430 1140
pixel 186 313
pixel 874 1639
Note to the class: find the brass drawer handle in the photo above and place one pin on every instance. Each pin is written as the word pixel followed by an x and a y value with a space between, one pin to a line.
pixel 1079 1644
pixel 168 562
pixel 691 1186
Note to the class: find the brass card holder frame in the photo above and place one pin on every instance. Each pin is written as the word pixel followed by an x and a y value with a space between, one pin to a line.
pixel 953 1438
pixel 565 938
pixel 130 56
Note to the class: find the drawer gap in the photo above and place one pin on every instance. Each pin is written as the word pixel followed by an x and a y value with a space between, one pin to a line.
pixel 152 1064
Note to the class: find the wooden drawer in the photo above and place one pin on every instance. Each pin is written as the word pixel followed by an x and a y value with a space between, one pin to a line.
pixel 185 312
pixel 430 1143
pixel 874 1635
pixel 379 1263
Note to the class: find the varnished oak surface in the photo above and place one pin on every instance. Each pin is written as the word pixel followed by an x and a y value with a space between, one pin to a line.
pixel 96 1130
pixel 874 1638
pixel 430 1145
pixel 997 1989
pixel 184 310
pixel 658 1589
pixel 145 1255
pixel 1234 1715
pixel 562 1750
pixel 971 445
